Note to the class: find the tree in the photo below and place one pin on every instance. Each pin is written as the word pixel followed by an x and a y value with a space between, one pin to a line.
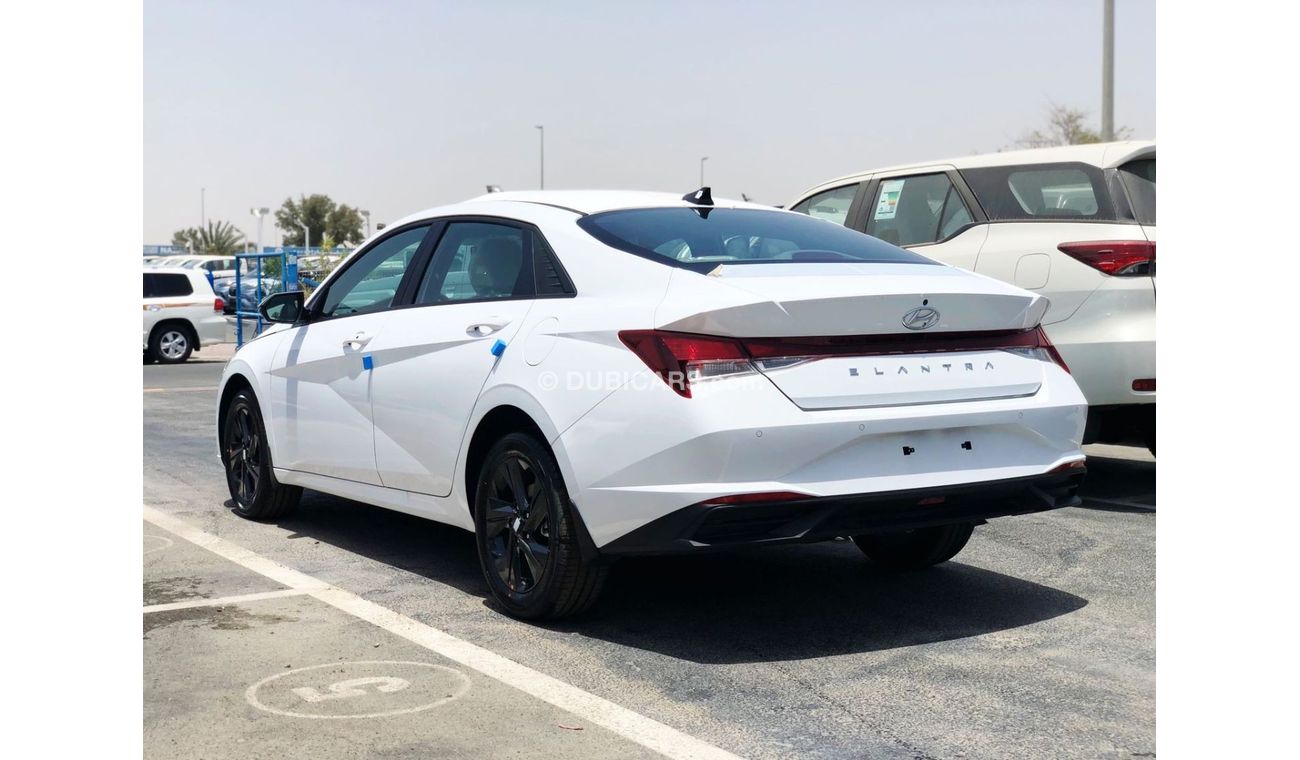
pixel 345 226
pixel 322 216
pixel 217 239
pixel 1066 126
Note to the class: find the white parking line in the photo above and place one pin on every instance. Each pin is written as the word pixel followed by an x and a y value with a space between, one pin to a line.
pixel 225 600
pixel 181 389
pixel 633 726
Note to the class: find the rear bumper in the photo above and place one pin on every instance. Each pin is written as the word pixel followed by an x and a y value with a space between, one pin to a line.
pixel 702 527
pixel 644 453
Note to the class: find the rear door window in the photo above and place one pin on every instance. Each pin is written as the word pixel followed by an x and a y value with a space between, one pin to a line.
pixel 478 261
pixel 1139 178
pixel 1041 191
pixel 916 210
pixel 832 204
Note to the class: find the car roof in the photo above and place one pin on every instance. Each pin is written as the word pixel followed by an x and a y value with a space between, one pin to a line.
pixel 169 270
pixel 1102 155
pixel 577 201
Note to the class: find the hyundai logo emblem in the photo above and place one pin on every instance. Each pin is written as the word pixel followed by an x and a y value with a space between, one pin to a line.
pixel 921 318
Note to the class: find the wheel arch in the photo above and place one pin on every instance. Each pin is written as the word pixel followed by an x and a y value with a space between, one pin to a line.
pixel 499 421
pixel 506 418
pixel 233 384
pixel 180 322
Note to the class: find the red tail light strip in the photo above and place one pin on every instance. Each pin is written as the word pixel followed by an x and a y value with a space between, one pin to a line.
pixel 903 343
pixel 668 353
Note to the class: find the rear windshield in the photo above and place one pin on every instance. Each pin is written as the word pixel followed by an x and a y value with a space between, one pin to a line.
pixel 1041 191
pixel 700 239
pixel 1139 178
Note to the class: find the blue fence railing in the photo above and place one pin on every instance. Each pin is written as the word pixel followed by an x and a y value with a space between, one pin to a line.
pixel 251 267
pixel 288 274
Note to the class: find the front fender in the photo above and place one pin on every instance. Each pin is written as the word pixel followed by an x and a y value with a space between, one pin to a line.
pixel 252 362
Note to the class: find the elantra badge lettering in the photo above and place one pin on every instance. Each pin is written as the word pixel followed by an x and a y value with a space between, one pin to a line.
pixel 921 318
pixel 925 369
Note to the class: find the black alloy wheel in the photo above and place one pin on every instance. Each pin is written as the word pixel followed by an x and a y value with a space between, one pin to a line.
pixel 527 533
pixel 247 458
pixel 243 455
pixel 517 524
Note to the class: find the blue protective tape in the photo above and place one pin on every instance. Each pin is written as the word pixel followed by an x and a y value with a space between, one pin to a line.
pixel 499 347
pixel 367 362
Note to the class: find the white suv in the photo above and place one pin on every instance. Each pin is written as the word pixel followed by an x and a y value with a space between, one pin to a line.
pixel 1076 224
pixel 181 314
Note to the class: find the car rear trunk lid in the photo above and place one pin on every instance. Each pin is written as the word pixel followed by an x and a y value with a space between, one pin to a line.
pixel 886 334
pixel 790 299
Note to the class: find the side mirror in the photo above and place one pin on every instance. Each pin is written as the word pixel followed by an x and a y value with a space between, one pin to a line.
pixel 283 307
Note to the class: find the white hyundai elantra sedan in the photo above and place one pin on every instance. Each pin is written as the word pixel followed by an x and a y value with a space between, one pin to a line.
pixel 579 376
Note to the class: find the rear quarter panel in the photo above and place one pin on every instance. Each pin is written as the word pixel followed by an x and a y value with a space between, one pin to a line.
pixel 1019 252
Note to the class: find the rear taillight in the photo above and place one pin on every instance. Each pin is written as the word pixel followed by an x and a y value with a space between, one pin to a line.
pixel 1043 350
pixel 218 305
pixel 1119 258
pixel 682 358
pixel 1145 385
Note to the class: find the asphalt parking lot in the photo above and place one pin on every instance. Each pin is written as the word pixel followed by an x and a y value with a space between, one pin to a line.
pixel 346 630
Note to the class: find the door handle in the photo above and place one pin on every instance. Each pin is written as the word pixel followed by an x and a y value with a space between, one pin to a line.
pixel 484 329
pixel 356 342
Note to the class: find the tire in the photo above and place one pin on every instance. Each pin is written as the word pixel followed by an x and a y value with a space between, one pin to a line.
pixel 915 549
pixel 149 357
pixel 171 343
pixel 247 459
pixel 526 534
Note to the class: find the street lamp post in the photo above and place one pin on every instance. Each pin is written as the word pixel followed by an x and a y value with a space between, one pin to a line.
pixel 366 214
pixel 260 213
pixel 203 203
pixel 1108 72
pixel 541 132
pixel 702 160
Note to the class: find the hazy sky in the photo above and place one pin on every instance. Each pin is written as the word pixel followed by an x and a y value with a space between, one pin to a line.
pixel 399 106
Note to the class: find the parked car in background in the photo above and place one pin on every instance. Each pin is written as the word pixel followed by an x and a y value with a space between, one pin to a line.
pixel 1076 224
pixel 217 266
pixel 250 295
pixel 181 314
pixel 316 267
pixel 581 376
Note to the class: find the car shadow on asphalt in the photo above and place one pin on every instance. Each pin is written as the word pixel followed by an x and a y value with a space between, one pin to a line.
pixel 1119 485
pixel 748 605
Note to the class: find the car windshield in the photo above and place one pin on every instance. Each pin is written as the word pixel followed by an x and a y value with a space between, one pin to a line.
pixel 702 238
